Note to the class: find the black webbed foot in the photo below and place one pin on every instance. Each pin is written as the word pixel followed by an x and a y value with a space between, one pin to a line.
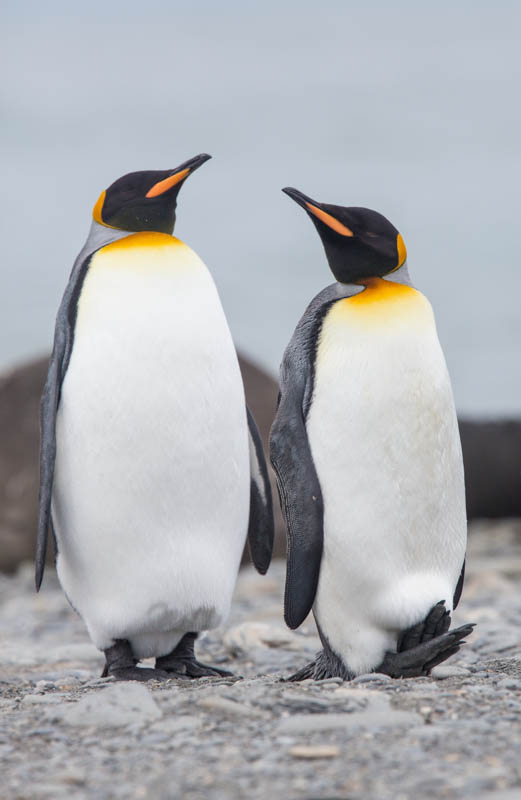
pixel 182 663
pixel 121 665
pixel 419 649
pixel 425 645
pixel 436 623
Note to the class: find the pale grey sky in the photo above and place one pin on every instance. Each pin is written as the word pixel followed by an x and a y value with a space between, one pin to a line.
pixel 409 108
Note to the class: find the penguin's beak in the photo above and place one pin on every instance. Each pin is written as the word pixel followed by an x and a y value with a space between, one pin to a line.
pixel 314 208
pixel 179 174
pixel 193 163
pixel 300 198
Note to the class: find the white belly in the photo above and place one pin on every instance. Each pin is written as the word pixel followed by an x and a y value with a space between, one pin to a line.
pixel 384 438
pixel 151 491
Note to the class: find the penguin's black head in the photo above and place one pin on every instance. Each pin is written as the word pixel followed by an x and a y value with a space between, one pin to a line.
pixel 359 243
pixel 145 201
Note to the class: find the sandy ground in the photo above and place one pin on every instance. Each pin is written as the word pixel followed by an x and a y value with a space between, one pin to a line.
pixel 65 733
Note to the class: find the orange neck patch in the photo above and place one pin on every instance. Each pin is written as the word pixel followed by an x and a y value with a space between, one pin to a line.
pixel 96 211
pixel 384 303
pixel 152 239
pixel 402 250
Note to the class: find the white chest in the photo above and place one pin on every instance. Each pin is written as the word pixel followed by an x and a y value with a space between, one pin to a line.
pixel 383 434
pixel 151 489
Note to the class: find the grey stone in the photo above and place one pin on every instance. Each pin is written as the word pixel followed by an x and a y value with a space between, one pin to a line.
pixel 174 724
pixel 304 723
pixel 117 705
pixel 509 683
pixel 233 748
pixel 229 708
pixel 248 636
pixel 41 699
pixel 367 698
pixel 369 677
pixel 447 671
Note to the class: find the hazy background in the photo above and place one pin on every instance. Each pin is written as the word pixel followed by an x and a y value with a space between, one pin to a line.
pixel 410 108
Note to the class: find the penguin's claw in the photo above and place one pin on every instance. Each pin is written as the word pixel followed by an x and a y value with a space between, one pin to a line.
pixel 191 669
pixel 418 660
pixel 418 650
pixel 436 623
pixel 121 665
pixel 182 663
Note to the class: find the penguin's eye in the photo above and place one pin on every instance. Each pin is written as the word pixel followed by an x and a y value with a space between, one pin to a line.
pixel 372 235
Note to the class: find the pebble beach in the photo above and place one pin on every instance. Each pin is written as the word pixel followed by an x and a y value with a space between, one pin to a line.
pixel 67 733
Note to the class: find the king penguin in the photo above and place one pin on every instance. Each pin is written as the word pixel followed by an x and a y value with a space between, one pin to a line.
pixel 152 473
pixel 366 450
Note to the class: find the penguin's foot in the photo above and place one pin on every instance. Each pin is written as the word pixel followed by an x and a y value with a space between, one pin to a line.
pixel 182 663
pixel 121 665
pixel 425 645
pixel 419 649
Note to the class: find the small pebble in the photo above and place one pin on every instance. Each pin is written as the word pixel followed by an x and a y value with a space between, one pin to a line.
pixel 227 707
pixel 509 683
pixel 369 677
pixel 40 699
pixel 314 751
pixel 443 671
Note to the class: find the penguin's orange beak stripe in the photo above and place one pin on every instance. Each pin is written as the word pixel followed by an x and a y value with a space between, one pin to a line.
pixel 330 221
pixel 163 186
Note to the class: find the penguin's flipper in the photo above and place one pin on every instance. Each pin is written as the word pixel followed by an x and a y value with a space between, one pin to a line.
pixel 301 503
pixel 290 453
pixel 48 409
pixel 459 587
pixel 62 348
pixel 261 527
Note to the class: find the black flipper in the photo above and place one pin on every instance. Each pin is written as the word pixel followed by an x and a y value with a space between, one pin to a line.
pixel 182 663
pixel 61 353
pixel 261 527
pixel 48 409
pixel 63 342
pixel 297 480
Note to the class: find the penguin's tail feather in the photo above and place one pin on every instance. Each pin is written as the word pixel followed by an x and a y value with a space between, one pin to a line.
pixel 306 673
pixel 326 665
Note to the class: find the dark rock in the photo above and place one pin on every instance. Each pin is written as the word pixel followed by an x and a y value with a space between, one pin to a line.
pixel 20 392
pixel 491 454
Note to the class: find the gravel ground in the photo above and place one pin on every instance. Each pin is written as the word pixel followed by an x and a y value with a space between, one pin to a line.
pixel 66 733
